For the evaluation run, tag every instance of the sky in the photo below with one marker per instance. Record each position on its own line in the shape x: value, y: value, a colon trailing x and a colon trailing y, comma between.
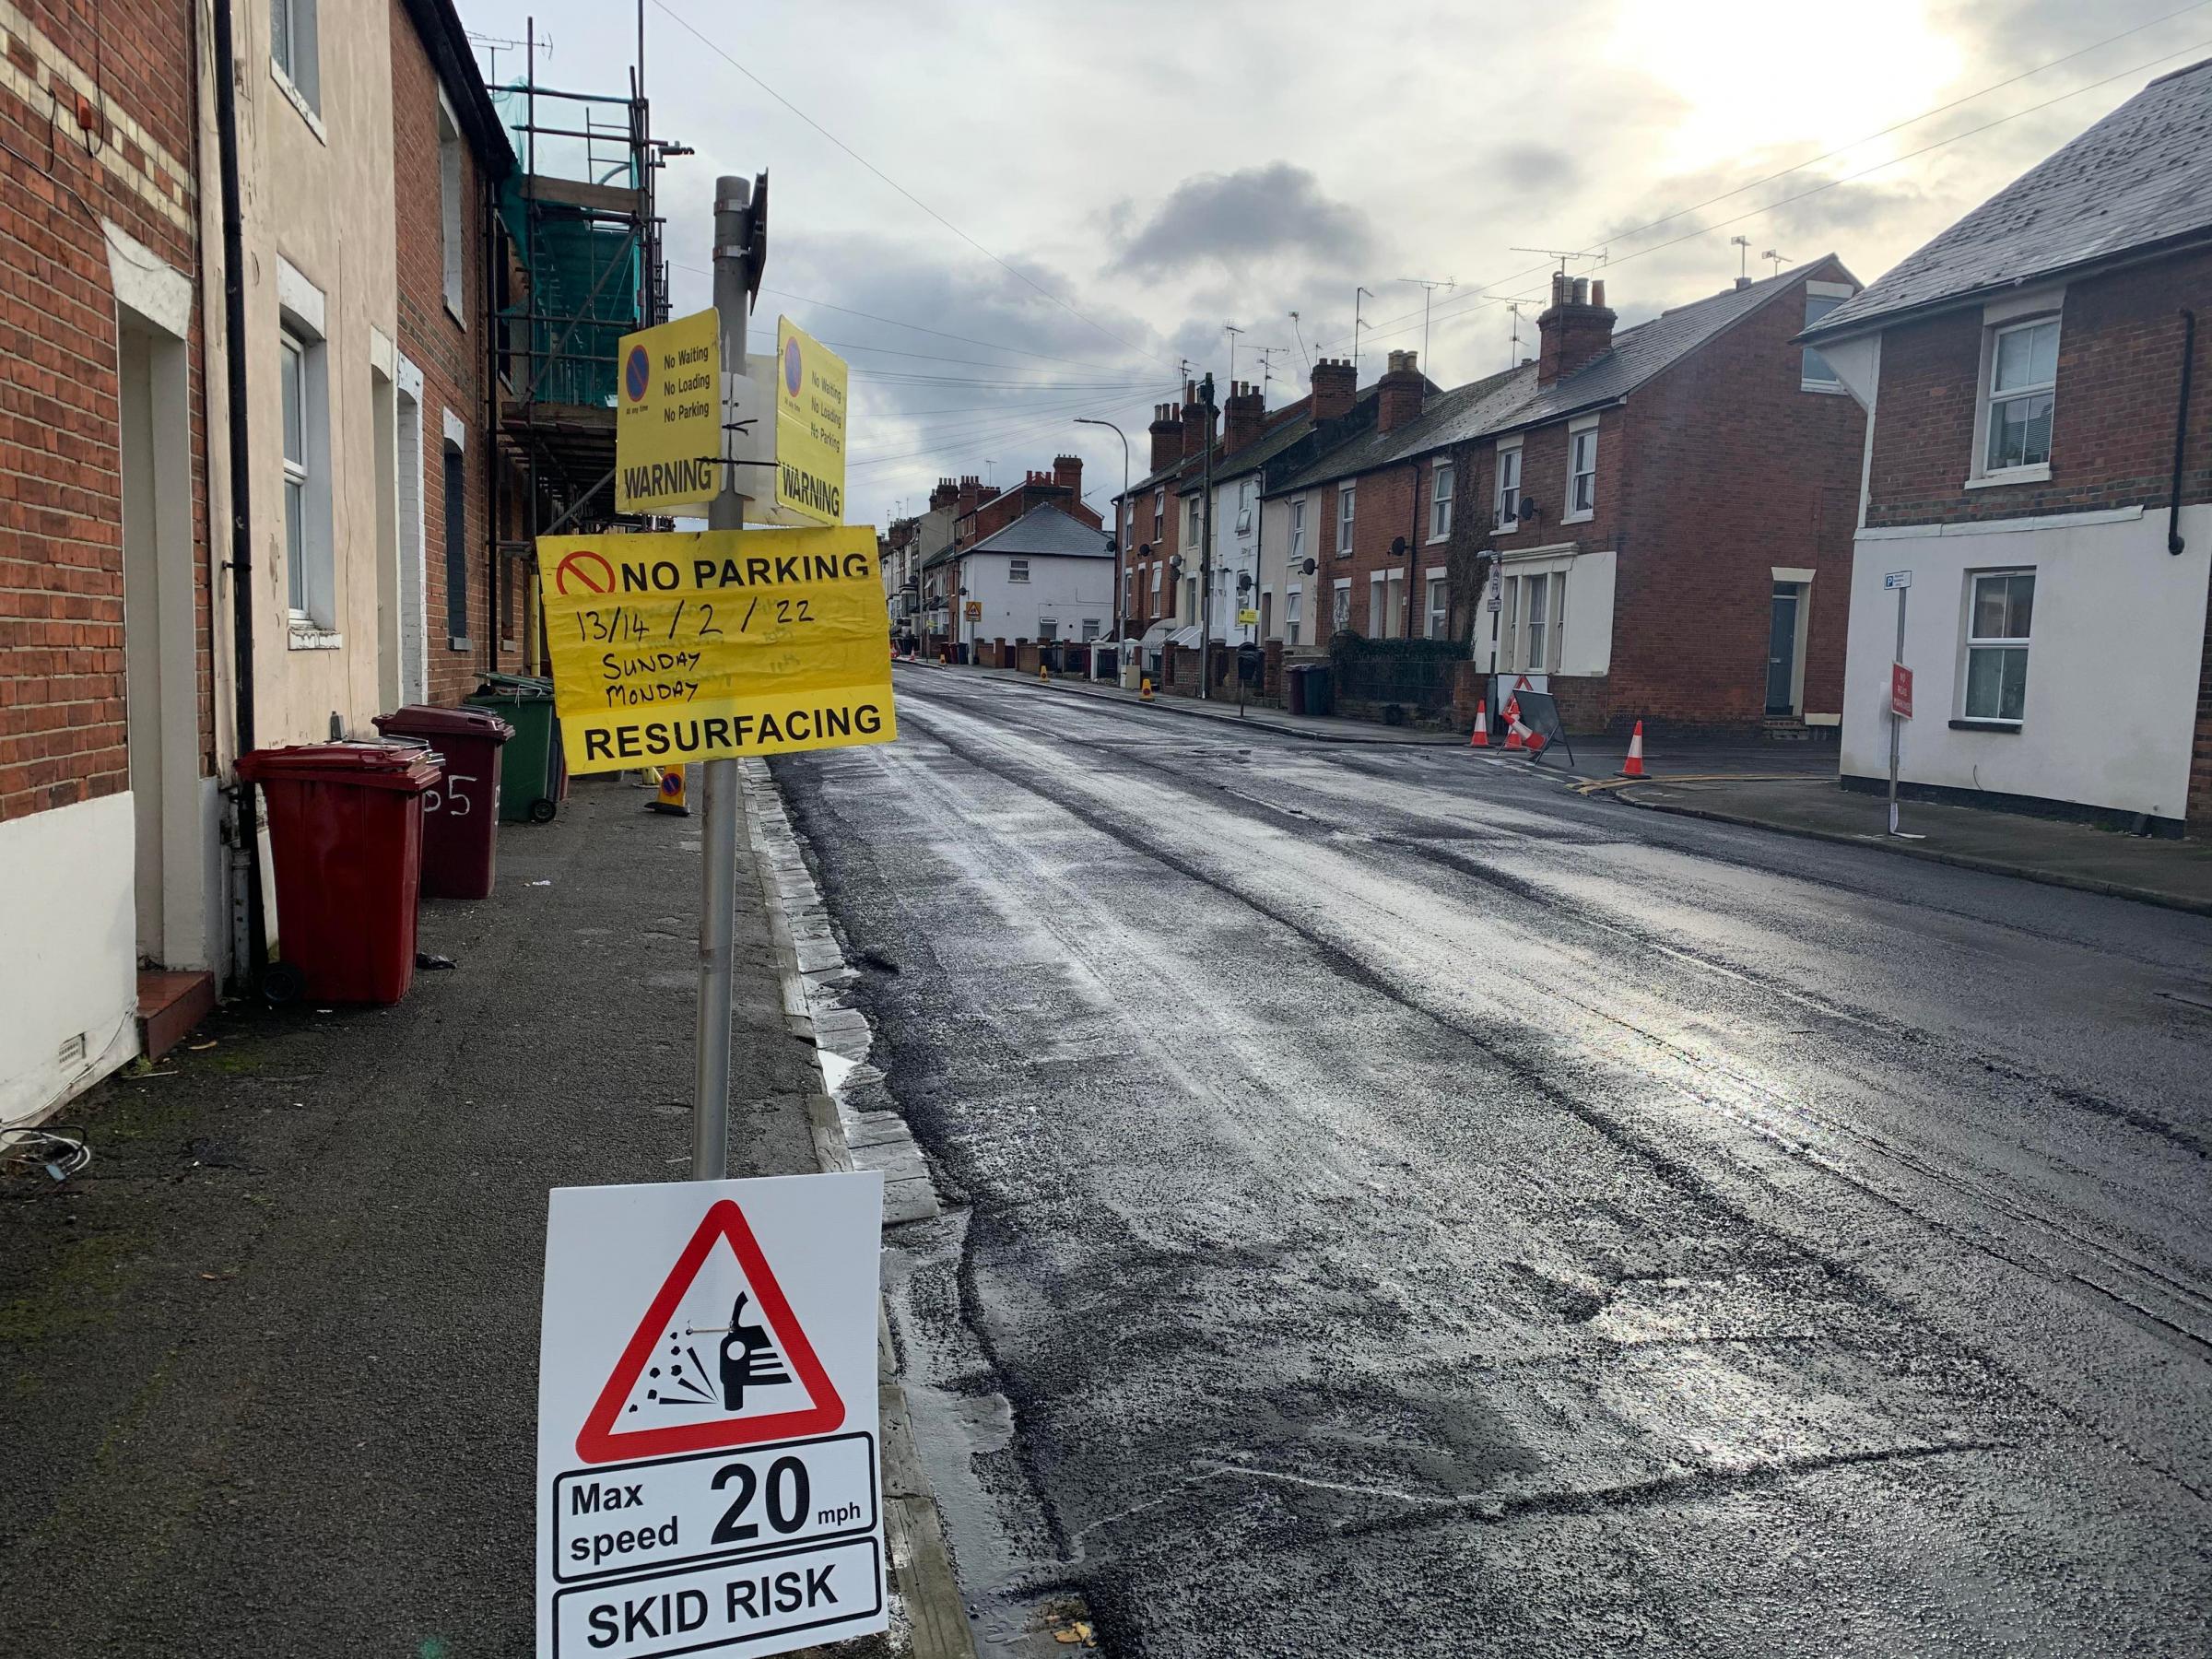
x: 1045, y: 210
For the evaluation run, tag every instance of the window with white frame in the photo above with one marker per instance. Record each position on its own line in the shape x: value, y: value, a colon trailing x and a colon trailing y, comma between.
x: 450, y: 208
x: 1018, y: 569
x: 1243, y: 506
x: 1156, y: 570
x: 1347, y: 503
x: 1048, y: 630
x: 1191, y: 535
x: 1159, y: 515
x: 292, y: 372
x: 292, y: 48
x: 1533, y: 614
x: 2023, y: 382
x: 1582, y: 471
x: 2000, y: 606
x: 1294, y: 608
x: 1509, y: 486
x: 1298, y: 530
x: 1439, y: 606
x: 1440, y: 500
x: 1816, y: 373
x: 1092, y: 628
x: 1340, y: 616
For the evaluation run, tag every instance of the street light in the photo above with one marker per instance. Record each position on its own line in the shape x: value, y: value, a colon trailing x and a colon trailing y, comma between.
x: 1120, y: 526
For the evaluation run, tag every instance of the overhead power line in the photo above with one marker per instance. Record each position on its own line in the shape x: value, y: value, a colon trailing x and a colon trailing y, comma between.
x: 1010, y: 270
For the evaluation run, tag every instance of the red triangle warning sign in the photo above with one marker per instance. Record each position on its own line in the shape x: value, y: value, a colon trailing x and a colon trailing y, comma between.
x: 718, y: 1360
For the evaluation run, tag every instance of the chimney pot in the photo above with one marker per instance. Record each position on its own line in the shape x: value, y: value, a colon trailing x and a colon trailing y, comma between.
x: 1558, y: 288
x: 1598, y: 291
x: 1581, y: 290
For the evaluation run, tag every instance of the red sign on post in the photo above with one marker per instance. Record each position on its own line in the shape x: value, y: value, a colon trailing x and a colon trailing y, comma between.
x: 1900, y: 690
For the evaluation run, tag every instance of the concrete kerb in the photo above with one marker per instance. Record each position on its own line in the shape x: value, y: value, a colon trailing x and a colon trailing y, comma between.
x: 1963, y: 861
x: 814, y: 974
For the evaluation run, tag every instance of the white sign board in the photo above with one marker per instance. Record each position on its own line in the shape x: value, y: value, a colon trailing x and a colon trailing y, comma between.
x: 707, y: 1470
x: 1898, y: 579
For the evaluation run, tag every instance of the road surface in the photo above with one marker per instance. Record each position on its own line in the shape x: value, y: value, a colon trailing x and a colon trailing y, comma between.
x: 1403, y: 1207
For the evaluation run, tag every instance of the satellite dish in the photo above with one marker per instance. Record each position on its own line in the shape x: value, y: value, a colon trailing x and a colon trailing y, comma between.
x: 1309, y: 567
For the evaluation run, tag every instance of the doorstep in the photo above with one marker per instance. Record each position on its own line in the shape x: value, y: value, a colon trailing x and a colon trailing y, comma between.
x: 170, y: 1003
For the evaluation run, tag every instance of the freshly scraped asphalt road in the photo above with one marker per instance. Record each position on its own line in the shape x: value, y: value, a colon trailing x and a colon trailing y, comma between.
x: 1409, y: 1209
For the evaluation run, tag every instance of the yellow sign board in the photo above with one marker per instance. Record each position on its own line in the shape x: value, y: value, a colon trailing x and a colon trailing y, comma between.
x: 668, y: 415
x: 706, y: 645
x: 810, y: 427
x: 1248, y: 618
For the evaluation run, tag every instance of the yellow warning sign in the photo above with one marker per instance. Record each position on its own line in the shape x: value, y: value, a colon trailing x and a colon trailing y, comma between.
x: 709, y: 644
x: 810, y: 427
x: 668, y: 415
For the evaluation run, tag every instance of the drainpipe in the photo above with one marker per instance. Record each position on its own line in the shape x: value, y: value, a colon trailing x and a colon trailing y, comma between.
x: 241, y: 563
x: 487, y: 250
x: 2175, y: 543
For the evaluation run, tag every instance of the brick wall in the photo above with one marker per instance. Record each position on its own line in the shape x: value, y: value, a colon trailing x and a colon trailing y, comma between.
x: 2112, y: 434
x: 1384, y: 506
x: 449, y: 354
x: 131, y: 160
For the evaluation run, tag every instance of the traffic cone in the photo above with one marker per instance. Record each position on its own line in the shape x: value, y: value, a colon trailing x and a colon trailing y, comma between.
x: 670, y: 799
x: 1041, y: 676
x: 1481, y: 739
x: 1144, y: 689
x: 1513, y: 734
x: 1633, y: 766
x: 1537, y: 740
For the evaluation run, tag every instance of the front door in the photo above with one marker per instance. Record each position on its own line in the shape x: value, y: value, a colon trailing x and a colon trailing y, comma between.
x: 1782, y: 650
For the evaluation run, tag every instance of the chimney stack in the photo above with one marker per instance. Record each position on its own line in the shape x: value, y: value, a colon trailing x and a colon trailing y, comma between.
x: 1166, y: 436
x: 1398, y: 392
x: 964, y: 503
x: 1067, y: 472
x: 1242, y: 417
x: 943, y: 495
x: 1576, y: 329
x: 1197, y: 421
x: 1334, y: 392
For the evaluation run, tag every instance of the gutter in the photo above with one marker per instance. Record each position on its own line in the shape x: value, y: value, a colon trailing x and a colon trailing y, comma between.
x: 2174, y: 543
x: 240, y: 564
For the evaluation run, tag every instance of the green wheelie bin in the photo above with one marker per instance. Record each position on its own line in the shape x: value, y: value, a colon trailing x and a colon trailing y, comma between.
x: 531, y: 773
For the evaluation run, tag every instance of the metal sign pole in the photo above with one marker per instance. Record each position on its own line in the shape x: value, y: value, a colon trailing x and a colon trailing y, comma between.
x: 718, y: 877
x: 1897, y: 721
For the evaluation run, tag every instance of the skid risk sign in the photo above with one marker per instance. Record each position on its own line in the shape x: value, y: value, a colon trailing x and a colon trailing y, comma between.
x: 705, y: 645
x: 668, y: 415
x: 707, y: 1470
x: 810, y: 427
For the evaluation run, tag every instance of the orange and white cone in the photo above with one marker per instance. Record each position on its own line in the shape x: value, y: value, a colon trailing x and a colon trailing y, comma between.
x: 1481, y: 739
x: 1633, y: 766
x: 1144, y: 692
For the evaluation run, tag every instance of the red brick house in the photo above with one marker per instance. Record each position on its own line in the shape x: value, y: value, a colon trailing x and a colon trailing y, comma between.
x: 1639, y: 521
x: 2039, y: 475
x: 449, y: 154
x: 108, y: 793
x: 1153, y: 527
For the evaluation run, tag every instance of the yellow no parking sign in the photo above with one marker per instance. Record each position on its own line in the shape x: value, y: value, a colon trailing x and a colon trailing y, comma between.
x: 713, y: 644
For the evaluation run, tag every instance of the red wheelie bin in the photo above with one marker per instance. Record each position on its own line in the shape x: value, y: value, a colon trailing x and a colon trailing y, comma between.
x: 460, y: 816
x: 346, y: 833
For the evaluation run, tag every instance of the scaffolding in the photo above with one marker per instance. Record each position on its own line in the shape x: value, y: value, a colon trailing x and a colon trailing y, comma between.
x: 582, y: 266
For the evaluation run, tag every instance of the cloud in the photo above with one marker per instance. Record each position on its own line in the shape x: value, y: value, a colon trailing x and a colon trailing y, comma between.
x: 1536, y: 167
x: 1255, y: 213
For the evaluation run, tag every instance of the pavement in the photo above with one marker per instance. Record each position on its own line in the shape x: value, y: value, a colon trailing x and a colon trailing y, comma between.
x: 270, y: 1362
x: 2154, y: 870
x: 1398, y: 1203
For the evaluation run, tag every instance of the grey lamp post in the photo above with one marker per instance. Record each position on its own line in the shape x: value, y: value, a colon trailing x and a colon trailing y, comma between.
x: 1122, y: 521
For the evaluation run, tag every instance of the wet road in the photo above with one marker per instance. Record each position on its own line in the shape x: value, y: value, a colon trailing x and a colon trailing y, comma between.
x: 1401, y: 1207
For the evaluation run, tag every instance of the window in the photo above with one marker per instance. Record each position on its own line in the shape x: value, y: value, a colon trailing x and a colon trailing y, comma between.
x: 1018, y: 569
x: 294, y: 374
x: 1160, y: 516
x: 1294, y: 606
x: 1440, y: 501
x: 1298, y: 530
x: 2023, y: 376
x: 1999, y: 609
x: 1190, y: 539
x: 1815, y: 374
x: 1533, y: 617
x: 448, y: 203
x: 1438, y: 608
x: 1048, y: 630
x: 1582, y: 472
x: 1346, y: 495
x: 457, y: 546
x: 292, y: 48
x: 1509, y: 486
x: 1340, y: 618
x: 1092, y: 628
x: 1243, y: 506
x: 1156, y: 569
